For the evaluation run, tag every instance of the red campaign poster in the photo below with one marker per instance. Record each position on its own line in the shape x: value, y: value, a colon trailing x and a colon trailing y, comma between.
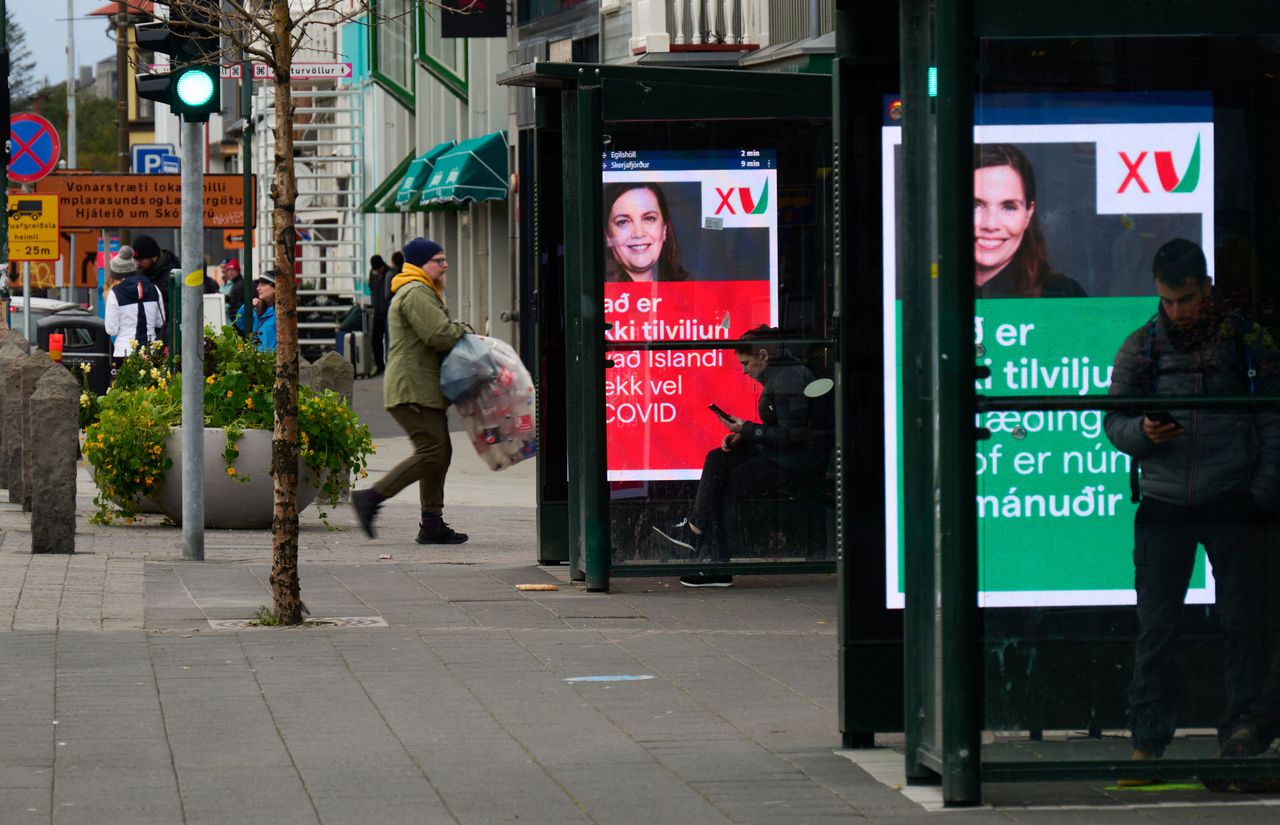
x: 658, y: 424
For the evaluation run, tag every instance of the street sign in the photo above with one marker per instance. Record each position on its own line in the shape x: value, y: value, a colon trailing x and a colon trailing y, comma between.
x: 143, y: 201
x: 299, y: 71
x: 35, y: 147
x: 33, y: 227
x: 171, y: 164
x: 148, y: 158
x: 304, y: 71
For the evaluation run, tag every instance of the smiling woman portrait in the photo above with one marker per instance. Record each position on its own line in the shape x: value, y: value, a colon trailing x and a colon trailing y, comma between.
x: 1010, y: 258
x: 640, y: 240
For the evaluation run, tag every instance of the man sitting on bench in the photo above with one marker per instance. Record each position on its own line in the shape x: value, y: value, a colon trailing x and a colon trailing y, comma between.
x: 755, y: 458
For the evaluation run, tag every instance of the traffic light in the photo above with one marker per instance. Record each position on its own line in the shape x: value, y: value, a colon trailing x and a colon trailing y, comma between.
x: 191, y: 87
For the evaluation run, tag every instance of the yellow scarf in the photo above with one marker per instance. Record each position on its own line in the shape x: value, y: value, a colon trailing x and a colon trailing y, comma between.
x: 410, y: 273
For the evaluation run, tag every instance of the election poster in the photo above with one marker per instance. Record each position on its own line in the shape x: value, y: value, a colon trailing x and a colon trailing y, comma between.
x: 691, y: 255
x: 1082, y: 189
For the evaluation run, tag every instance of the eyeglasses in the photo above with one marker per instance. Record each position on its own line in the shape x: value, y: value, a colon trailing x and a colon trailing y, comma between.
x: 439, y: 259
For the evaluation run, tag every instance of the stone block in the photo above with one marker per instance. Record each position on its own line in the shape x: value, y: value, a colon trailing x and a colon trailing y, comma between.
x: 305, y: 372
x: 11, y: 426
x: 33, y: 369
x: 333, y: 372
x: 55, y: 404
x: 8, y: 352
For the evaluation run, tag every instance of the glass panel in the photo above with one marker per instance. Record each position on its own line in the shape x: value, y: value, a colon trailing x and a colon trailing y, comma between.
x: 718, y: 287
x: 448, y: 53
x: 395, y: 41
x: 1119, y: 249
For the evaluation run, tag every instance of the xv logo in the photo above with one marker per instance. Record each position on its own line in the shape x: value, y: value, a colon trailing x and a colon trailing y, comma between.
x: 1169, y: 179
x: 745, y: 198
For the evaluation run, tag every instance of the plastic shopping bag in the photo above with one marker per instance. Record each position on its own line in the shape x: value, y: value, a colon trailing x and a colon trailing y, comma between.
x: 468, y: 365
x: 498, y: 414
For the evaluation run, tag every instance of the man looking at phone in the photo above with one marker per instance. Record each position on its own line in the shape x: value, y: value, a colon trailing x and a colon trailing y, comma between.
x: 1208, y: 477
x: 755, y: 458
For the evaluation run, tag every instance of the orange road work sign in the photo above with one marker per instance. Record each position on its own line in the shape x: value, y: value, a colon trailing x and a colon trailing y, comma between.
x: 142, y: 201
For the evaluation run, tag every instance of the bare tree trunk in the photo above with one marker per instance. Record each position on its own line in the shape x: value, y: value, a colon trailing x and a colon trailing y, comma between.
x: 284, y: 445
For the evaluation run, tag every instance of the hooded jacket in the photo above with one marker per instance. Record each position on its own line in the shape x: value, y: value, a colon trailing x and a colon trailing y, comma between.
x: 1220, y: 453
x: 421, y: 333
x: 133, y: 312
x: 785, y: 432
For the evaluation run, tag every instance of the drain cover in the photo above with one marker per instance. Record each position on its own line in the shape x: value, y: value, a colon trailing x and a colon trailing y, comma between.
x: 333, y: 621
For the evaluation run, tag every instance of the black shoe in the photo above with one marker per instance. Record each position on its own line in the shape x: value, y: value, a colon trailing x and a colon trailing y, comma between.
x: 701, y: 580
x: 439, y: 533
x: 682, y: 535
x: 366, y: 505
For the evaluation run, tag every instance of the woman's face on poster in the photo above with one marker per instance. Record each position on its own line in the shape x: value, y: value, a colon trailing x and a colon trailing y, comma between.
x: 1001, y: 215
x: 636, y: 232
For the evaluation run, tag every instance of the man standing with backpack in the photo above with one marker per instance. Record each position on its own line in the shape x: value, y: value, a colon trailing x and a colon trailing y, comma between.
x: 1208, y: 477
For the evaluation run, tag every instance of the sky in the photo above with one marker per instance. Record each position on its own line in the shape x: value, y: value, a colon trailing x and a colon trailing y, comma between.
x: 45, y: 22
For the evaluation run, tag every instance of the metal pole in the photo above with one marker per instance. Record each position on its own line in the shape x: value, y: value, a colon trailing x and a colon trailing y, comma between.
x: 69, y: 286
x: 961, y: 655
x: 192, y: 349
x: 122, y: 99
x: 4, y: 102
x: 71, y: 88
x: 246, y: 169
x: 26, y: 289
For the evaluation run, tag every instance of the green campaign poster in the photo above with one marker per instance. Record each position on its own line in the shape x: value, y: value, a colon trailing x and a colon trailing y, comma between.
x: 1055, y: 518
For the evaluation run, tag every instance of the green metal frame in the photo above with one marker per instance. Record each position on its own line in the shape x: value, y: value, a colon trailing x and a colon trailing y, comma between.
x: 946, y: 739
x: 589, y: 96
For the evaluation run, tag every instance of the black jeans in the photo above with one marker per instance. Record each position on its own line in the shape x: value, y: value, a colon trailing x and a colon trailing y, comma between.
x: 728, y: 478
x: 378, y: 344
x: 1165, y: 539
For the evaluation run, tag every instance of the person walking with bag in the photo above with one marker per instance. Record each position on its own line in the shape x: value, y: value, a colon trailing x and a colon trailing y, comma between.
x: 421, y: 334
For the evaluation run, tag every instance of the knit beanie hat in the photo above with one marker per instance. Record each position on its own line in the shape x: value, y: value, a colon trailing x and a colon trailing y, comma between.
x: 420, y: 250
x: 145, y: 246
x: 123, y: 263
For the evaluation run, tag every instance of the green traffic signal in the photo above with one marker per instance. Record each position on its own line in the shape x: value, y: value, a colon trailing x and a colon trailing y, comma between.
x: 195, y: 87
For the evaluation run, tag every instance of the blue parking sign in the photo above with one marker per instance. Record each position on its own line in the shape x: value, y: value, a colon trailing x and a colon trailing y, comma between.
x: 149, y: 158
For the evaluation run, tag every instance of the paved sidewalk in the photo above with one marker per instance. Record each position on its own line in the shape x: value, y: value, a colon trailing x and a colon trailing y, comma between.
x: 476, y: 703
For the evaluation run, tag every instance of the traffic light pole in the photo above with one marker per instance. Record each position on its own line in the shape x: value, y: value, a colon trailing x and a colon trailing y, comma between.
x: 193, y: 342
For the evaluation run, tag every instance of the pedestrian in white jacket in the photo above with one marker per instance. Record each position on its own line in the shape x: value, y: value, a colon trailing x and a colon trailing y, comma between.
x: 135, y: 309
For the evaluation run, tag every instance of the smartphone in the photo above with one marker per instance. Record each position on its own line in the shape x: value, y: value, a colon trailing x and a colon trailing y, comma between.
x: 724, y: 416
x: 1161, y: 417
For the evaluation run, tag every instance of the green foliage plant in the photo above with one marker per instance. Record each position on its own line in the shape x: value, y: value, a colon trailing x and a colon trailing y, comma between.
x: 125, y: 444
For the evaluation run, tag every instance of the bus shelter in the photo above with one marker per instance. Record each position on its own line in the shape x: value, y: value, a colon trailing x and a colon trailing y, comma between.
x: 1089, y: 141
x: 631, y: 360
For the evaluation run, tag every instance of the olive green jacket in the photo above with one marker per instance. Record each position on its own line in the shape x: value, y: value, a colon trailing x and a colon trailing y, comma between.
x: 421, y: 333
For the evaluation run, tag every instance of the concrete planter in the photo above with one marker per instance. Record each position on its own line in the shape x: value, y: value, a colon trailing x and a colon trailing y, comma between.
x: 228, y: 503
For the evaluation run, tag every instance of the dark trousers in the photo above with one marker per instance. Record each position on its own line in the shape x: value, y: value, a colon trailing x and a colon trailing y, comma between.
x: 728, y: 478
x: 378, y: 342
x: 428, y: 429
x: 1165, y: 539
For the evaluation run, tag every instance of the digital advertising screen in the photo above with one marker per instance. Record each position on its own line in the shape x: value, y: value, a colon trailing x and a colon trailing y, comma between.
x: 1090, y: 187
x: 691, y: 254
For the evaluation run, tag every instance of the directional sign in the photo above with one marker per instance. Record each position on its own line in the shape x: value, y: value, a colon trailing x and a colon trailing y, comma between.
x: 303, y: 71
x: 35, y: 147
x: 261, y: 71
x: 148, y: 158
x: 33, y: 227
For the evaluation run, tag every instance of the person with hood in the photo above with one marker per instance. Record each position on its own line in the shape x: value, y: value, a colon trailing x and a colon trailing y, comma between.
x: 156, y: 264
x: 755, y: 458
x: 1208, y: 478
x: 135, y: 308
x: 421, y: 334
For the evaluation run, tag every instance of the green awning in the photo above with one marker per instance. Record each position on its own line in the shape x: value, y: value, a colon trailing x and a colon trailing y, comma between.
x: 474, y: 170
x: 383, y: 196
x: 421, y: 169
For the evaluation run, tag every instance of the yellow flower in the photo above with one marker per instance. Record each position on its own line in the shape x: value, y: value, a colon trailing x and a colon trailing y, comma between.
x: 231, y: 471
x: 228, y: 393
x: 209, y: 380
x: 248, y: 402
